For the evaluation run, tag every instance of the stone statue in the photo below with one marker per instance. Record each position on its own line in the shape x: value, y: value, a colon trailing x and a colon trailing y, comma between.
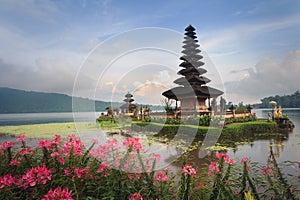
x: 147, y: 111
x: 143, y: 113
x: 269, y: 116
x: 222, y: 105
x: 214, y: 105
x: 279, y: 112
x: 275, y: 113
x: 136, y: 113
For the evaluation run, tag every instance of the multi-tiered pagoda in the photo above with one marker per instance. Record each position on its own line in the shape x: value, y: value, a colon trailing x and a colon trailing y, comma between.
x: 128, y: 107
x: 192, y: 91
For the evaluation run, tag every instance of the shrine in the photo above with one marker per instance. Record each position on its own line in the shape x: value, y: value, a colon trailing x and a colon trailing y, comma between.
x: 128, y: 107
x: 192, y: 91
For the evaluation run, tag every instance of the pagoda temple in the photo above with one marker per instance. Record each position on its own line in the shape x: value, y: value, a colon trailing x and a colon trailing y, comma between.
x: 192, y: 91
x: 128, y: 107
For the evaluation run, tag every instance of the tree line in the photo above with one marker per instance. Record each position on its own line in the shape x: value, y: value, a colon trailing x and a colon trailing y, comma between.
x: 286, y: 101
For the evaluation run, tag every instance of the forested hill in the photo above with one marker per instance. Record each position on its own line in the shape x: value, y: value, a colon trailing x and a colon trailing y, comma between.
x: 20, y: 101
x: 286, y: 101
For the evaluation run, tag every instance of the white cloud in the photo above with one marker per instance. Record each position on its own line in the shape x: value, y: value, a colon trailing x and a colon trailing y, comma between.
x: 269, y: 77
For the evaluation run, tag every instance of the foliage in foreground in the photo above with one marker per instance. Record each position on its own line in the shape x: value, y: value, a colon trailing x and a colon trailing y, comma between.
x: 59, y: 169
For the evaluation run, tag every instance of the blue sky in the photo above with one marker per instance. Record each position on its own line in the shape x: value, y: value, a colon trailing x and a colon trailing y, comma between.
x: 254, y: 45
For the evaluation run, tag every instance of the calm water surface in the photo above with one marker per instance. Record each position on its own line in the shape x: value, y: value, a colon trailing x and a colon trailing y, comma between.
x: 42, y: 118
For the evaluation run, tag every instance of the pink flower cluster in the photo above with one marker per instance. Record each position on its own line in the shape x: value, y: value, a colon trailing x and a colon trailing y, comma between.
x: 103, y: 152
x: 15, y: 162
x: 267, y: 171
x: 49, y: 144
x: 103, y: 167
x: 136, y: 196
x: 244, y: 160
x: 58, y: 194
x: 7, y: 180
x: 21, y: 138
x: 188, y: 170
x: 6, y: 145
x: 162, y: 177
x: 36, y: 175
x: 27, y: 151
x: 213, y: 168
x: 226, y: 158
x: 73, y: 145
x: 133, y: 144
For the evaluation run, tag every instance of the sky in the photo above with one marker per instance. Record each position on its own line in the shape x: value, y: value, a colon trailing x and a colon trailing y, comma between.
x: 103, y: 49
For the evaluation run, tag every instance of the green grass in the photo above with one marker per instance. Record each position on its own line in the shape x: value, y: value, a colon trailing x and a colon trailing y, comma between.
x: 251, y: 127
x: 46, y: 130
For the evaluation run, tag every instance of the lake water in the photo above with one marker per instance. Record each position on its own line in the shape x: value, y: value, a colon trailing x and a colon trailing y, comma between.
x: 41, y: 118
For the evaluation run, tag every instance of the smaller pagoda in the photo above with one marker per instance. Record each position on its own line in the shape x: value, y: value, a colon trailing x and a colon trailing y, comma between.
x: 128, y: 107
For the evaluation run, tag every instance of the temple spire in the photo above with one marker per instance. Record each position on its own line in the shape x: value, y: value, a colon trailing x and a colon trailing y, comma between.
x: 192, y: 90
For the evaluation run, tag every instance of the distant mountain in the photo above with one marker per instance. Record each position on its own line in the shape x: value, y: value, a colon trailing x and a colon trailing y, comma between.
x: 20, y: 101
x: 286, y: 101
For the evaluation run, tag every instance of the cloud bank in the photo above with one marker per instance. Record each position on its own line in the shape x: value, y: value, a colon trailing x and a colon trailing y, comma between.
x: 268, y: 77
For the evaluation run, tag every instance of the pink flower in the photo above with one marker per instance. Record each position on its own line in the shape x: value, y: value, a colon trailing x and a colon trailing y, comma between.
x: 267, y: 170
x: 6, y: 145
x: 162, y: 176
x: 21, y: 138
x: 244, y: 160
x: 15, y: 162
x: 226, y: 158
x: 56, y: 140
x: 54, y: 154
x: 27, y: 151
x: 138, y: 175
x: 79, y: 172
x: 188, y: 170
x: 6, y: 181
x: 229, y: 161
x: 133, y: 144
x: 101, y: 152
x: 156, y: 157
x: 58, y: 194
x: 61, y: 160
x: 299, y: 166
x: 213, y: 167
x: 167, y: 169
x: 36, y: 175
x: 82, y: 172
x: 135, y: 196
x: 73, y: 145
x: 67, y: 172
x: 113, y: 144
x: 222, y: 155
x: 44, y: 144
x: 103, y: 167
